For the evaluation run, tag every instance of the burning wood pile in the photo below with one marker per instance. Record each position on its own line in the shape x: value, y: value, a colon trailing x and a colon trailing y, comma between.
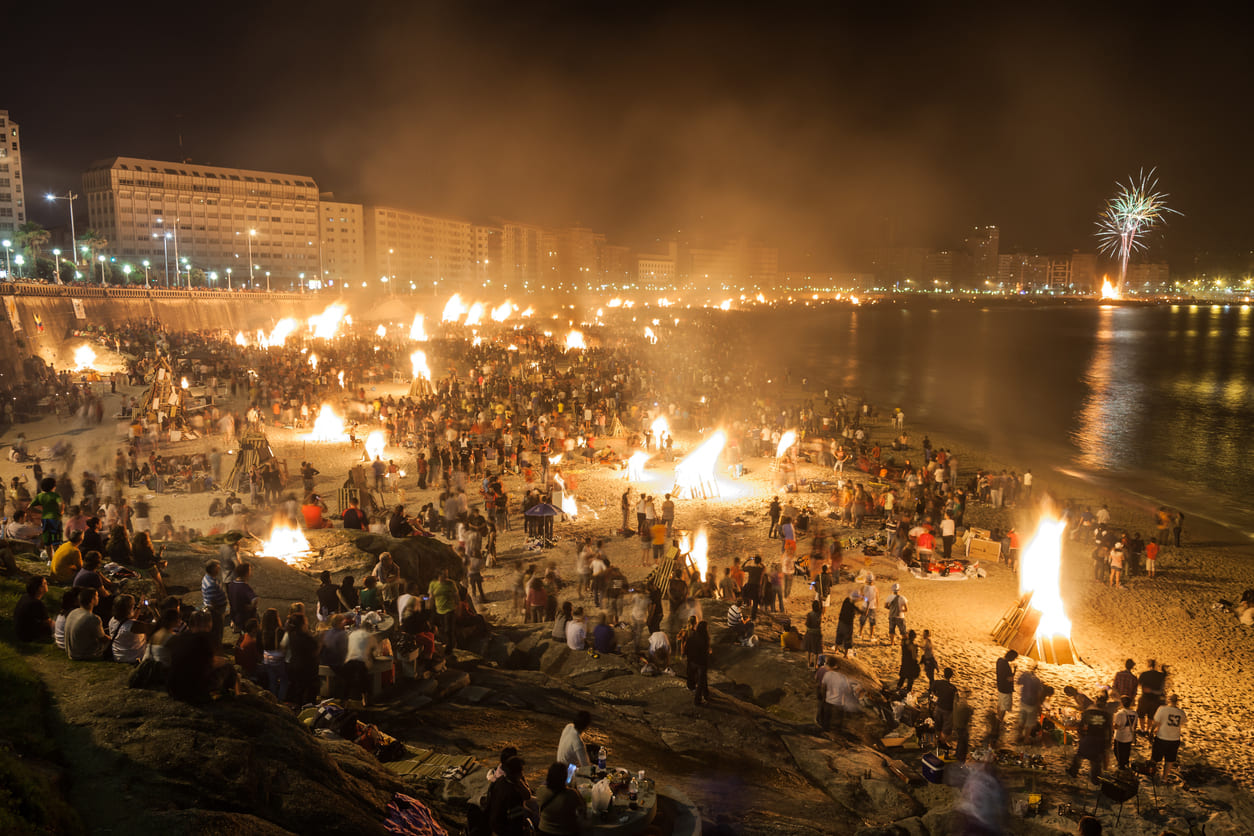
x: 1037, y: 624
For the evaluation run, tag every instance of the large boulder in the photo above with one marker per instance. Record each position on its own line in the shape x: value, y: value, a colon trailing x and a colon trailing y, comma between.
x: 420, y: 558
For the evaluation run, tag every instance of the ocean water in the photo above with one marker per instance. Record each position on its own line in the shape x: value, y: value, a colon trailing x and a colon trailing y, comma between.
x: 1155, y: 400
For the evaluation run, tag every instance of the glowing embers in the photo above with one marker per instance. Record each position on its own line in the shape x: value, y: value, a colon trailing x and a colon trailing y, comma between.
x: 285, y: 543
x: 694, y: 476
x: 1109, y: 291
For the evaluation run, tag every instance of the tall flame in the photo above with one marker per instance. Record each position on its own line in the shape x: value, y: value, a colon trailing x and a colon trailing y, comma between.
x: 1040, y: 568
x: 417, y: 332
x: 725, y: 305
x: 786, y: 440
x: 474, y: 316
x: 635, y: 466
x: 529, y: 312
x: 694, y: 476
x: 381, y: 331
x: 453, y: 309
x: 502, y: 311
x: 575, y: 340
x: 1109, y: 291
x: 328, y: 426
x: 240, y: 339
x: 84, y: 358
x: 418, y: 360
x: 375, y: 442
x: 313, y: 361
x: 283, y: 329
x: 649, y: 335
x: 698, y: 552
x: 660, y: 427
x: 327, y: 324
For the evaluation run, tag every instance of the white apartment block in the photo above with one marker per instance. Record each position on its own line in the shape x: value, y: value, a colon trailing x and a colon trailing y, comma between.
x: 214, y: 217
x: 343, y: 230
x: 12, y: 195
x: 424, y: 253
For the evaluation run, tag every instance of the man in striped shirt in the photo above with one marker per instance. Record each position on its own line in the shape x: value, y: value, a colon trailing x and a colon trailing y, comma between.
x: 214, y: 598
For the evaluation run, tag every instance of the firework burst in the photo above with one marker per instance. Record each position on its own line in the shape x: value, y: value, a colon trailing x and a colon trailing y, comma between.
x: 1137, y: 206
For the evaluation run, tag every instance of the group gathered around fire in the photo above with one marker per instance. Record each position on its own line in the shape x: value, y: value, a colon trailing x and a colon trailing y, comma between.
x: 505, y: 419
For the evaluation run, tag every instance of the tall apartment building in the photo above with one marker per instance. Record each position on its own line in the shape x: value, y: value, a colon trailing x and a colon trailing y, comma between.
x: 428, y: 252
x: 12, y: 195
x: 1023, y: 271
x: 572, y: 258
x: 617, y: 268
x: 342, y: 229
x: 981, y: 249
x: 209, y: 214
x: 522, y: 256
x: 488, y: 261
x: 658, y: 271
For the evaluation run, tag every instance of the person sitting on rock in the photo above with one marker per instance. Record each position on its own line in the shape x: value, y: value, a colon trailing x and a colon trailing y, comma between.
x: 313, y: 510
x: 604, y: 640
x: 576, y: 631
x: 739, y: 625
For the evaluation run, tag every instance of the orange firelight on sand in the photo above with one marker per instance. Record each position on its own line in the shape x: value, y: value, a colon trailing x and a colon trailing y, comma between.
x: 1109, y: 291
x: 285, y: 543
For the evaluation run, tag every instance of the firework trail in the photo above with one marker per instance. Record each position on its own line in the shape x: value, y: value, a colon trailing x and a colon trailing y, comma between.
x: 1136, y: 207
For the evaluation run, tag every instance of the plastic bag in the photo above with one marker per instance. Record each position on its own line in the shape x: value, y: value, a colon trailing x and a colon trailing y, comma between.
x: 602, y: 795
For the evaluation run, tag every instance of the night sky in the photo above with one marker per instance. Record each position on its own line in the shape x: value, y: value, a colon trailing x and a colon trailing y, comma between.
x: 809, y: 126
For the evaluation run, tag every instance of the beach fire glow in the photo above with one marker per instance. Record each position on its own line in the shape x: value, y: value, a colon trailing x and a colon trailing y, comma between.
x: 787, y: 440
x: 660, y: 428
x: 283, y: 329
x: 649, y: 335
x: 1109, y: 291
x: 84, y: 358
x: 327, y: 324
x: 285, y: 543
x: 575, y: 340
x: 569, y: 506
x: 313, y: 362
x: 328, y: 426
x: 502, y: 312
x: 240, y: 339
x: 635, y: 466
x: 375, y: 442
x: 381, y: 331
x: 1040, y: 568
x: 698, y: 552
x: 417, y: 332
x: 474, y: 316
x: 694, y: 476
x: 418, y: 360
x: 454, y: 309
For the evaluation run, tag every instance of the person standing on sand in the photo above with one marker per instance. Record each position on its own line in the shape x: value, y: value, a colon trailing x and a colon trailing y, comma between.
x: 1168, y: 725
x: 1151, y: 558
x: 1005, y: 684
x: 774, y: 511
x: 871, y: 597
x: 1177, y: 526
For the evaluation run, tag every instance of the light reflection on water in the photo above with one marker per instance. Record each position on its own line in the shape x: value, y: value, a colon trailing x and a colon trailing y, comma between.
x: 1155, y: 396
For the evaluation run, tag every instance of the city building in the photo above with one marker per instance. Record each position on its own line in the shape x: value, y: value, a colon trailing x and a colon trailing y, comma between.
x: 572, y: 258
x: 617, y: 267
x: 261, y: 224
x: 938, y: 271
x: 522, y: 256
x: 12, y: 194
x: 981, y: 246
x: 419, y: 252
x: 895, y: 268
x: 1023, y: 272
x: 343, y: 235
x: 657, y: 271
x: 1149, y: 277
x: 488, y: 244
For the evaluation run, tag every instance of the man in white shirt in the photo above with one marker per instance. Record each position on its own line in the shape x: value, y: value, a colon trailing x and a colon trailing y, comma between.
x: 576, y: 631
x: 839, y: 696
x: 1168, y: 724
x: 949, y: 529
x: 660, y: 651
x: 571, y: 748
x: 1125, y: 732
x: 363, y: 645
x: 871, y: 596
x: 895, y: 606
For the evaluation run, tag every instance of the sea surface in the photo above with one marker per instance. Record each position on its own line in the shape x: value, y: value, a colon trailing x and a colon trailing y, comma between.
x: 1155, y: 400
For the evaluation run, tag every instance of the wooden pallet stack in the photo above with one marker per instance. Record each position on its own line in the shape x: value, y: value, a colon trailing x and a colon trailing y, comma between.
x: 1018, y: 631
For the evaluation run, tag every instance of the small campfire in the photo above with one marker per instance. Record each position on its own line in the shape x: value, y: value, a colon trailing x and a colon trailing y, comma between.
x: 287, y: 544
x: 84, y: 359
x: 1037, y: 625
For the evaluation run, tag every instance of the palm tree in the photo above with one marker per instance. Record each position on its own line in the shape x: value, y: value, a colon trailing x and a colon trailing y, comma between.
x: 31, y: 236
x: 92, y: 240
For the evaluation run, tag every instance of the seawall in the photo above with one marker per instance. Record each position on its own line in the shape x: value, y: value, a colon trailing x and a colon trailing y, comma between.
x: 40, y: 320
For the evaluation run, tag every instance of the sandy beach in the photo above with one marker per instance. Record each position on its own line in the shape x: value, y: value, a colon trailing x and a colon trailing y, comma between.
x: 1171, y: 618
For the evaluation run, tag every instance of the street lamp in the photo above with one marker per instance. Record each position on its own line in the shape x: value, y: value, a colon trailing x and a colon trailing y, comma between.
x: 228, y: 279
x: 146, y: 264
x: 213, y: 276
x: 189, y: 272
x: 57, y: 263
x: 20, y: 261
x: 101, y: 259
x: 252, y: 233
x: 8, y: 251
x: 126, y: 271
x: 267, y: 281
x: 69, y: 197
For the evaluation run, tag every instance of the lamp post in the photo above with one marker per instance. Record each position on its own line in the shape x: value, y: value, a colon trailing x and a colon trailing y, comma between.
x: 56, y: 262
x: 69, y: 197
x: 126, y: 271
x: 213, y: 276
x: 146, y: 264
x: 165, y: 253
x: 20, y: 261
x: 252, y: 233
x: 228, y: 279
x: 189, y: 271
x: 8, y: 252
x: 267, y: 281
x: 101, y: 259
